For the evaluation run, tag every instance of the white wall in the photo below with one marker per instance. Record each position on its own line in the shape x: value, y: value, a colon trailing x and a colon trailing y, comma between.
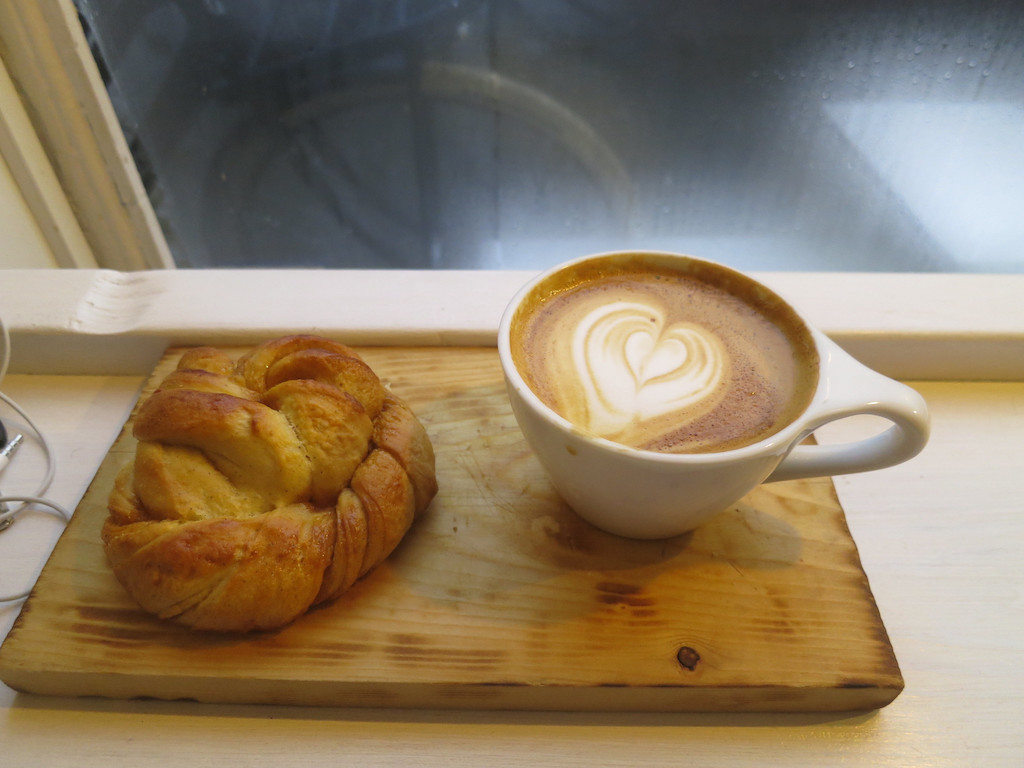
x: 21, y: 240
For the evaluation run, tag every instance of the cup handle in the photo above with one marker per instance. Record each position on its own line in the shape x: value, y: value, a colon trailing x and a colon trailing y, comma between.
x: 854, y: 389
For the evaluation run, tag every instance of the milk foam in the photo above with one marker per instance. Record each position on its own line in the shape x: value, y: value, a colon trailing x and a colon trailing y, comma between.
x: 634, y: 367
x: 662, y: 359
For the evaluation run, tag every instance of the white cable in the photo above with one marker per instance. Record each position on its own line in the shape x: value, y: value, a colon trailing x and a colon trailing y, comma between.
x: 64, y: 514
x: 51, y: 464
x: 7, y: 516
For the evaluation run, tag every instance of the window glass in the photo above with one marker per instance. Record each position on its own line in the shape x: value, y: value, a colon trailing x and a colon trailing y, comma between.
x: 482, y: 134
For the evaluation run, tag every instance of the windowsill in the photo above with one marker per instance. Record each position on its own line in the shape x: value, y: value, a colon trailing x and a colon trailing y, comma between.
x: 910, y: 326
x: 937, y: 536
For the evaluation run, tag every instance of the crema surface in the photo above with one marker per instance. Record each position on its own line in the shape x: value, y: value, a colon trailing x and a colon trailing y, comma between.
x: 664, y: 361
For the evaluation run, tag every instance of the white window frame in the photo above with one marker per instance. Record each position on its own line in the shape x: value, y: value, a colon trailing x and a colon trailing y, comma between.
x: 57, y: 86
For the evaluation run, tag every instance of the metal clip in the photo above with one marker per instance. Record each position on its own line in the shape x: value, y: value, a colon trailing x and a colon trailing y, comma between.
x: 5, y: 456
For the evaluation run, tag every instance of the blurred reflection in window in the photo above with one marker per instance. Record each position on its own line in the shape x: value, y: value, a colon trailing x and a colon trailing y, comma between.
x: 516, y: 133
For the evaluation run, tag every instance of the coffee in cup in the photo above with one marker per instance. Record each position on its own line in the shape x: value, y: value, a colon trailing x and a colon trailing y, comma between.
x: 663, y: 357
x: 657, y: 389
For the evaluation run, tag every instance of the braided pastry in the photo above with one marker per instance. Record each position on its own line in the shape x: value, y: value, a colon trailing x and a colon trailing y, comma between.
x: 264, y: 486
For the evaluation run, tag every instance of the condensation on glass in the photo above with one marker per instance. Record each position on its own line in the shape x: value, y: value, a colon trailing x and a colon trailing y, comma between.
x: 462, y: 134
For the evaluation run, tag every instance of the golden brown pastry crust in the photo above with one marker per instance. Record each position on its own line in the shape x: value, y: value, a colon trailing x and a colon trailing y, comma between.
x: 264, y: 486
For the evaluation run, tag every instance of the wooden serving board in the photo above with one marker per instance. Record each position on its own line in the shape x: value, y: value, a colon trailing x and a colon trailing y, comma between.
x: 499, y: 597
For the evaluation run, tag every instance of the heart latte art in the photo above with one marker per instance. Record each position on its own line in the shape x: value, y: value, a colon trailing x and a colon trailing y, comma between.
x: 662, y: 360
x: 632, y: 367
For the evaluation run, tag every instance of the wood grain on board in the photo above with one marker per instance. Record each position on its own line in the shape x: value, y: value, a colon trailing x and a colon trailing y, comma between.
x: 499, y: 597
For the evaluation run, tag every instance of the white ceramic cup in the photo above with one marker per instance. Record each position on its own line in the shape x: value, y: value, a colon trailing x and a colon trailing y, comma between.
x: 649, y: 495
